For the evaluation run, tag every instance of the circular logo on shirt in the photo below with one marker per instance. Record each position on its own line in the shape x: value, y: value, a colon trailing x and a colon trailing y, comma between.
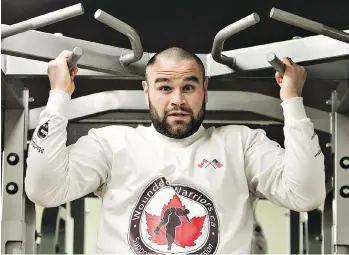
x: 173, y: 219
x: 43, y: 130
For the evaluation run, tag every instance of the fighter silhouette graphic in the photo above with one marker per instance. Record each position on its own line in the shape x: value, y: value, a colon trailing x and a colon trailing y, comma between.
x: 176, y: 220
x: 172, y: 221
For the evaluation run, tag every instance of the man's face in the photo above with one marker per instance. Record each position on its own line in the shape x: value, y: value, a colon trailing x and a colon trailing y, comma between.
x: 176, y: 95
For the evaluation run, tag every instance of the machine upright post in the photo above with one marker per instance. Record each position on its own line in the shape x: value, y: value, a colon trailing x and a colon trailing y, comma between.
x: 341, y: 185
x: 18, y: 213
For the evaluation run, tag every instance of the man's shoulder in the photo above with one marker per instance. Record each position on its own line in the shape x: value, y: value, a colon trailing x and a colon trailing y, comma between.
x: 233, y: 133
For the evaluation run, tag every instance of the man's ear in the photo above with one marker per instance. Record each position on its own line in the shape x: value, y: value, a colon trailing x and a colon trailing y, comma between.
x: 205, y: 89
x: 146, y: 91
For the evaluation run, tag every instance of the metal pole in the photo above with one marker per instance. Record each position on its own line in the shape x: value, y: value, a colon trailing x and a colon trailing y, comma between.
x: 275, y: 62
x: 309, y: 25
x: 43, y: 20
x: 74, y: 57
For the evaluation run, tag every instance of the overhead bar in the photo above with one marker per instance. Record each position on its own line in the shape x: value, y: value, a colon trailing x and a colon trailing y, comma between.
x: 311, y: 51
x: 96, y: 57
x: 125, y: 29
x: 225, y: 33
x: 325, y: 58
x: 309, y: 25
x: 43, y: 20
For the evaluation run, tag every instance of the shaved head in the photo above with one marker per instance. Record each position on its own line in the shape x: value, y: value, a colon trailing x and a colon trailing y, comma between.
x: 176, y: 54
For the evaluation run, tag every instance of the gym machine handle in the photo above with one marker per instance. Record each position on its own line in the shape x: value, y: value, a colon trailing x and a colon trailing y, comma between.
x: 43, y: 20
x: 74, y: 58
x: 275, y: 62
x: 125, y: 29
x: 309, y: 25
x: 225, y: 33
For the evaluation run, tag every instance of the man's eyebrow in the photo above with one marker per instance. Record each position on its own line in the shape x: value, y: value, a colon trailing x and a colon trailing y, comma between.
x: 158, y: 80
x: 192, y: 78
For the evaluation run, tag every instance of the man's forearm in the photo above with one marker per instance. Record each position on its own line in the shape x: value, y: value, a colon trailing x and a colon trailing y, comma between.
x: 48, y: 158
x: 304, y: 161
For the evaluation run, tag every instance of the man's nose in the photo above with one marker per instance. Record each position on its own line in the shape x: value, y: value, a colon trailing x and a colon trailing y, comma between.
x: 177, y: 98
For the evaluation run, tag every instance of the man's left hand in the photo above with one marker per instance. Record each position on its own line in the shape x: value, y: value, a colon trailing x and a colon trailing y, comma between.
x: 292, y: 82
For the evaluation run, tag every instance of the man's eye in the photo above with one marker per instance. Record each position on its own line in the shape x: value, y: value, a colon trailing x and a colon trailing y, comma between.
x: 188, y: 87
x: 164, y: 88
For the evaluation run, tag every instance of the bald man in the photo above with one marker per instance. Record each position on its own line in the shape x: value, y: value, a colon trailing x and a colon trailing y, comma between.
x: 215, y: 174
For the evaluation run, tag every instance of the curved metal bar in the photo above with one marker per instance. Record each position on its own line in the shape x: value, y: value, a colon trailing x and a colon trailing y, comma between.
x: 225, y: 33
x: 125, y: 29
x: 43, y: 20
x: 309, y: 25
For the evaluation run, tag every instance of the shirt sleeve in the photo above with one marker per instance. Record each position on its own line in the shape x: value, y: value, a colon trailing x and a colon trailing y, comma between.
x: 294, y: 176
x: 56, y: 173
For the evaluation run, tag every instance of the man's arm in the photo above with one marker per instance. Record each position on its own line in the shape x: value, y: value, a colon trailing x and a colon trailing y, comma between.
x: 56, y: 173
x: 293, y: 177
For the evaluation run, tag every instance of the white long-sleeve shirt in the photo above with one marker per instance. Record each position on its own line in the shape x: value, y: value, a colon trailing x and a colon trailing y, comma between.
x: 188, y: 196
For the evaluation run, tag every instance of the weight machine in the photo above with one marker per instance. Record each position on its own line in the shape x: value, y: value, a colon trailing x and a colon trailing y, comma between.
x: 322, y: 54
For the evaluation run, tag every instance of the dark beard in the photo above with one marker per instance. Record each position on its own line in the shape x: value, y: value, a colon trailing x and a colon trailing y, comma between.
x: 163, y: 127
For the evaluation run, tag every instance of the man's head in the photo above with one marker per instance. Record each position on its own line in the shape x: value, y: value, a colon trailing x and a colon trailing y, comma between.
x: 175, y: 90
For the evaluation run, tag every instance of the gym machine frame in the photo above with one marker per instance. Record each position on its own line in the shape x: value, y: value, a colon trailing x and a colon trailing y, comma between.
x: 322, y: 53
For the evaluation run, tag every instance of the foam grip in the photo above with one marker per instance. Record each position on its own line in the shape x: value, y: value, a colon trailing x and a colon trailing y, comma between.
x: 275, y: 62
x: 74, y: 58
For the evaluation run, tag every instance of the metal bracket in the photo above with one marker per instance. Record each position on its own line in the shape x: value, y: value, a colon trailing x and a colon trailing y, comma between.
x: 126, y: 30
x: 225, y: 33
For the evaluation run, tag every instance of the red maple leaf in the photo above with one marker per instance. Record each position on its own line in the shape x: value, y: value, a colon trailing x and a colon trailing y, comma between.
x: 186, y: 233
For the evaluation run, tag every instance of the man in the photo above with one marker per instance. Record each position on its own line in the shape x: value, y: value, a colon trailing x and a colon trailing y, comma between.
x: 216, y: 174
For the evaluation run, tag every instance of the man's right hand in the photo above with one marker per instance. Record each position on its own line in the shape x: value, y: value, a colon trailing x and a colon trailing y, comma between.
x: 59, y: 75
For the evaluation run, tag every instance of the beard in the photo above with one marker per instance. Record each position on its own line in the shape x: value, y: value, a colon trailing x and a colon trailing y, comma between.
x: 178, y: 129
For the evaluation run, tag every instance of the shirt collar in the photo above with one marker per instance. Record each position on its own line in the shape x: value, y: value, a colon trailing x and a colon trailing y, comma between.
x: 184, y: 142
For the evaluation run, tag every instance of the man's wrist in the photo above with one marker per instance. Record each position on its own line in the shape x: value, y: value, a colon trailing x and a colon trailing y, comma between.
x: 293, y: 109
x: 57, y: 102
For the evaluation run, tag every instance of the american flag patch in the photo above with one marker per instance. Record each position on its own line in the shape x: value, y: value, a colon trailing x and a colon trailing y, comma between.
x: 217, y: 163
